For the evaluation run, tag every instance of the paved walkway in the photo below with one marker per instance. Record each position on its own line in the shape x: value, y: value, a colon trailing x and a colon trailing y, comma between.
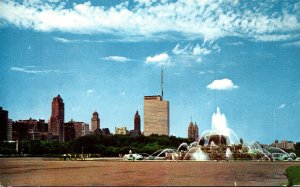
x: 45, y: 171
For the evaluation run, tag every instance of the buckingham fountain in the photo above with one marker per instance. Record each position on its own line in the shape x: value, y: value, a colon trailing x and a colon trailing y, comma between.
x: 222, y: 143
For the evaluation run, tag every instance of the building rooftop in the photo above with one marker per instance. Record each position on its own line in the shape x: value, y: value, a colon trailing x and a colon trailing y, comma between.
x: 153, y: 97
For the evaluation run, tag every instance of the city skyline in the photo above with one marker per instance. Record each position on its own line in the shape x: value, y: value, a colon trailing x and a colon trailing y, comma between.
x: 105, y: 56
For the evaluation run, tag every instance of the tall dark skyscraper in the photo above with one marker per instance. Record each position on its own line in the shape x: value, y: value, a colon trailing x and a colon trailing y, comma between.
x: 95, y: 121
x: 3, y: 125
x: 193, y: 132
x: 57, y: 118
x: 137, y: 122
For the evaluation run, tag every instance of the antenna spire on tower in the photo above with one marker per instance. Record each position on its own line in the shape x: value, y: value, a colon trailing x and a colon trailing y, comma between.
x: 162, y: 82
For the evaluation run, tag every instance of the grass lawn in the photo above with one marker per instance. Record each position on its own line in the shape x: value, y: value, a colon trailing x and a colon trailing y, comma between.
x: 293, y: 174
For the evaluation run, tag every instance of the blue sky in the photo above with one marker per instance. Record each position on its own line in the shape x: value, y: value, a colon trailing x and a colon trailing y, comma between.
x: 105, y: 56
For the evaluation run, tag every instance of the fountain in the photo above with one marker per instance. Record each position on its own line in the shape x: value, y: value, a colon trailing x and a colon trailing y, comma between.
x: 199, y: 155
x: 221, y: 143
x: 228, y: 153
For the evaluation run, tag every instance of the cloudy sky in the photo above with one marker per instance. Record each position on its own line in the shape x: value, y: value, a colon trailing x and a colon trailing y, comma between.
x: 105, y: 56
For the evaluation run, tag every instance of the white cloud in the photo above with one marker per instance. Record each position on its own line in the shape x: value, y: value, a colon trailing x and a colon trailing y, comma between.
x: 296, y: 103
x: 199, y: 50
x: 190, y: 53
x: 64, y: 40
x: 235, y: 43
x: 273, y: 37
x: 178, y: 50
x: 33, y: 70
x: 263, y: 20
x: 206, y: 72
x: 117, y: 58
x: 90, y: 92
x: 296, y: 43
x: 160, y: 59
x: 281, y: 106
x: 145, y: 2
x: 223, y: 84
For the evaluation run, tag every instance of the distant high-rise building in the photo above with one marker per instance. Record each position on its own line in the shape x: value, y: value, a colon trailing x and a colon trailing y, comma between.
x: 4, y: 123
x: 286, y: 145
x: 79, y: 127
x: 95, y: 121
x: 43, y: 129
x: 121, y: 130
x: 57, y: 118
x: 156, y: 115
x: 193, y: 132
x: 86, y: 129
x: 34, y: 134
x: 105, y: 131
x: 9, y: 130
x: 137, y: 123
x: 69, y: 131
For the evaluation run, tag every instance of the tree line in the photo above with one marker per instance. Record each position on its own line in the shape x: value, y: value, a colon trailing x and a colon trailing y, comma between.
x: 95, y: 144
x: 98, y: 144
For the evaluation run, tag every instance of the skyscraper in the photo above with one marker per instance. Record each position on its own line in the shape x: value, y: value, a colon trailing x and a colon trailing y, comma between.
x: 57, y: 118
x: 137, y: 123
x: 3, y: 125
x: 193, y: 132
x: 95, y: 121
x: 156, y: 115
x: 86, y: 129
x: 69, y: 131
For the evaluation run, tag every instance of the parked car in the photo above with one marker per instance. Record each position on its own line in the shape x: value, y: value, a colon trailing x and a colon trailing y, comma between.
x: 135, y: 156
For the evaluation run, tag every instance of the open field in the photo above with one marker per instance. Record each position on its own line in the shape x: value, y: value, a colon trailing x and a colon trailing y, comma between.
x: 45, y: 171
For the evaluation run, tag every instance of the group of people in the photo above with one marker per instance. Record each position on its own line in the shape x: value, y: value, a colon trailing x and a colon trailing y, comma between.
x: 69, y: 156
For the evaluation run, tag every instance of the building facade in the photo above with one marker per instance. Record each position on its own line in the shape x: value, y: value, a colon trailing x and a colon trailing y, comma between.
x: 156, y: 116
x: 286, y: 145
x: 30, y: 129
x: 95, y: 121
x: 9, y: 130
x: 105, y: 132
x: 79, y: 129
x: 193, y: 132
x: 121, y: 130
x: 4, y: 123
x: 86, y: 129
x: 57, y: 118
x: 69, y: 131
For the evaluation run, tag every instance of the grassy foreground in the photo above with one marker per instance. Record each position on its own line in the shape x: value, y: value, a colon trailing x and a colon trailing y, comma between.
x: 293, y: 174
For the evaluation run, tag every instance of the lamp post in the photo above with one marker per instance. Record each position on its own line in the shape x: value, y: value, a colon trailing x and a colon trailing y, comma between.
x: 274, y: 123
x: 82, y: 153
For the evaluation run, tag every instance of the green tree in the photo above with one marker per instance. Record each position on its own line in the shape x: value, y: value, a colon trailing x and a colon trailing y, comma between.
x: 24, y: 147
x: 297, y: 149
